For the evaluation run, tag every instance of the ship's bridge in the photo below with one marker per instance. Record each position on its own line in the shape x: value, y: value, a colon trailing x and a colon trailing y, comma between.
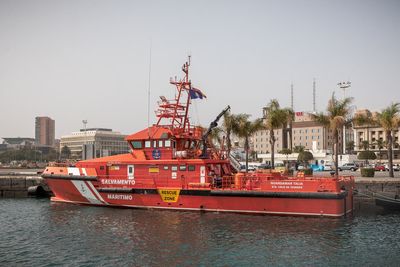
x: 159, y: 142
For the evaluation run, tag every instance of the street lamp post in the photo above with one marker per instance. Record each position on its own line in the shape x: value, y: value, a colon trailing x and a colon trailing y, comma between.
x: 84, y: 145
x: 344, y: 86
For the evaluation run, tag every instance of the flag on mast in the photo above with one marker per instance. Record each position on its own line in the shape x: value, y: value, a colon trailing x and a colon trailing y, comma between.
x: 196, y: 93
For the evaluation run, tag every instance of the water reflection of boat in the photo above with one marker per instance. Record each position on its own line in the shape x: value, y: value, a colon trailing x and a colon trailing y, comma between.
x: 387, y: 201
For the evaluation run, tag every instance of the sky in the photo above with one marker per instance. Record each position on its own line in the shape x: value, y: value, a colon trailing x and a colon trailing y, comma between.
x: 90, y: 59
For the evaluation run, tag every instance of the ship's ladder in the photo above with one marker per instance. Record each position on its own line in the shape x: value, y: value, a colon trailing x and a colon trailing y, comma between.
x: 234, y: 162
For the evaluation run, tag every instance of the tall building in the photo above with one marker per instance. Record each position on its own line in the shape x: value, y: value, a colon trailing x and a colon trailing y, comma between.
x: 44, y: 131
x: 99, y: 142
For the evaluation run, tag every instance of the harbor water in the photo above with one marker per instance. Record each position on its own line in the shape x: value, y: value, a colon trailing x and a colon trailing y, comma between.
x: 36, y: 232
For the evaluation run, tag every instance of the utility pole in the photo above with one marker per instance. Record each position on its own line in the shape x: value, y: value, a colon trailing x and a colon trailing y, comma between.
x: 291, y: 96
x: 84, y: 144
x: 314, y: 109
x: 344, y: 86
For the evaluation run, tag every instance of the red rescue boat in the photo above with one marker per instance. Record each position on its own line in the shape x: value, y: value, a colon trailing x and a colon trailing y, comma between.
x: 173, y: 166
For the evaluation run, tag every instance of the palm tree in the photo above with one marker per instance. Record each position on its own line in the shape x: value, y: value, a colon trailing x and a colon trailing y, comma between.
x: 364, y: 145
x: 287, y: 152
x: 364, y: 119
x: 244, y: 128
x: 215, y: 136
x: 290, y: 120
x: 228, y: 125
x: 380, y: 144
x: 276, y: 118
x: 338, y: 112
x: 389, y: 120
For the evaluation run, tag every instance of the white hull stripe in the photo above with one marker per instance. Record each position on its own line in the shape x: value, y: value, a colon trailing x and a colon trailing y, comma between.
x: 92, y: 187
x: 83, y: 188
x: 95, y: 191
x: 85, y: 192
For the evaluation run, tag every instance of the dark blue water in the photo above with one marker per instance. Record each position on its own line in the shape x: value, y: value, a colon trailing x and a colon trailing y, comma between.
x: 35, y: 232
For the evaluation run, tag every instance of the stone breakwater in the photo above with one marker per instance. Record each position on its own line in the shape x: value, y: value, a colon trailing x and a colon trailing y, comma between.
x: 16, y: 185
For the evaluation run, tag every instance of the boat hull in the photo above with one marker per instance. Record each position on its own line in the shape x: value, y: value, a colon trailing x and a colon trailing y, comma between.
x: 219, y: 200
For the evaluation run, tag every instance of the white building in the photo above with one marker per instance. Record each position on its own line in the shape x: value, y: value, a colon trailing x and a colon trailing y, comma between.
x: 99, y: 142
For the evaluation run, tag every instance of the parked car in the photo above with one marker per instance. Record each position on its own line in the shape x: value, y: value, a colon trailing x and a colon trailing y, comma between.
x: 250, y: 168
x: 396, y: 167
x: 348, y: 167
x: 329, y: 167
x: 380, y: 168
x: 264, y: 166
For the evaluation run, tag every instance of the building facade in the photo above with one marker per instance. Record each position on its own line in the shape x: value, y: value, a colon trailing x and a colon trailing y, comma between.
x: 374, y: 134
x: 44, y: 131
x: 305, y: 132
x: 94, y: 143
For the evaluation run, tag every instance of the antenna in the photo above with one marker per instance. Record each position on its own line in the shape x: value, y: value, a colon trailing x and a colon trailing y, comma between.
x: 148, y: 93
x: 314, y: 110
x: 291, y: 96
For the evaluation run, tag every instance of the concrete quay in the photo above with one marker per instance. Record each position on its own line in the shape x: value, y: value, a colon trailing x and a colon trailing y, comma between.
x: 16, y: 185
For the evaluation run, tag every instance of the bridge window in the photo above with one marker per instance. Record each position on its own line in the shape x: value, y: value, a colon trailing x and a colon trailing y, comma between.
x: 174, y: 168
x: 191, y: 168
x: 182, y: 167
x: 136, y: 144
x: 167, y: 143
x: 160, y: 143
x: 147, y: 144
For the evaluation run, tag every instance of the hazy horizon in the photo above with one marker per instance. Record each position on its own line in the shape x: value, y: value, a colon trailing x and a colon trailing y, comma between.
x: 75, y: 60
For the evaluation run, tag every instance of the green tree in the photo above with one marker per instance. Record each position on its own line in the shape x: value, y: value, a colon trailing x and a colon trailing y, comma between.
x: 365, y: 145
x: 65, y: 152
x: 338, y: 115
x: 389, y: 120
x: 366, y: 155
x: 350, y: 147
x: 298, y: 149
x: 276, y: 118
x: 228, y: 125
x: 244, y: 128
x: 305, y: 157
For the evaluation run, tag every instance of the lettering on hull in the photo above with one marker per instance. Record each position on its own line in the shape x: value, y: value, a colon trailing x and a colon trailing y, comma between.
x: 117, y: 181
x: 119, y: 197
